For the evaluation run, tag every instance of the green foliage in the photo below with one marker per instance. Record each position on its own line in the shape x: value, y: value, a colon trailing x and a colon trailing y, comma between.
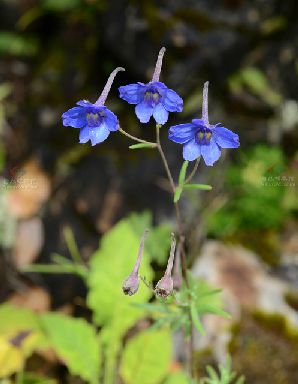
x: 158, y: 241
x: 146, y: 357
x: 58, y: 5
x: 252, y: 200
x: 225, y: 376
x: 197, y: 299
x: 15, y: 44
x: 204, y: 187
x: 76, y: 342
x: 110, y: 265
x: 142, y: 145
x: 256, y: 82
x: 183, y: 184
x: 14, y: 320
x: 177, y: 378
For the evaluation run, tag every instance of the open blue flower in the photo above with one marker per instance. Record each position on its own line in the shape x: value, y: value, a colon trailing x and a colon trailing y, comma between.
x: 199, y: 138
x: 154, y: 98
x: 95, y: 121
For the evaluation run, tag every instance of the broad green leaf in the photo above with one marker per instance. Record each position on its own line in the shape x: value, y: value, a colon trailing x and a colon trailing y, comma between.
x: 196, y: 320
x: 178, y: 193
x: 76, y: 342
x: 146, y: 357
x: 183, y: 172
x: 109, y: 267
x: 205, y: 187
x: 142, y: 145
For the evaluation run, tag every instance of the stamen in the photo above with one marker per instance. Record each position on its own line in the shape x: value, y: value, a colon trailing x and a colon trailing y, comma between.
x: 158, y: 65
x: 104, y: 94
x: 205, y: 104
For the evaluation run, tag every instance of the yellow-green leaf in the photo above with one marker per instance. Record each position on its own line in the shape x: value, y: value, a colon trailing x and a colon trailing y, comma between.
x: 146, y: 357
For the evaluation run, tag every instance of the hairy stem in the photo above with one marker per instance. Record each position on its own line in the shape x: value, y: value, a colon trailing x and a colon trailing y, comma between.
x: 181, y: 238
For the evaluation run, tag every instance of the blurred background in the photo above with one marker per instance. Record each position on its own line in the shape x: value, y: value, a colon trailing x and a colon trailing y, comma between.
x: 56, y: 52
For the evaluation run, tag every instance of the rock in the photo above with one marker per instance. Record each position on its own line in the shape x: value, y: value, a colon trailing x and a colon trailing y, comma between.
x: 246, y: 283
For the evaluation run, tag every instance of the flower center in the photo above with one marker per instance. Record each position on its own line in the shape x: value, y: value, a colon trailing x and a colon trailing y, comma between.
x: 204, y: 135
x: 152, y: 96
x: 94, y: 119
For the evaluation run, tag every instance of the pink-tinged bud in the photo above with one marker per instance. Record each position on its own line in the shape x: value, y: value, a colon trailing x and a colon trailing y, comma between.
x: 131, y: 284
x: 165, y: 285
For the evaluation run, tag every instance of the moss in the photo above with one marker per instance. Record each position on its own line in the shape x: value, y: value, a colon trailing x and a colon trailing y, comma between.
x: 265, y: 350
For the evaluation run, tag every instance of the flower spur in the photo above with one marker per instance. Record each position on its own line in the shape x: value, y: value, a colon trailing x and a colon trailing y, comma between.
x: 95, y: 121
x: 200, y: 138
x: 153, y: 98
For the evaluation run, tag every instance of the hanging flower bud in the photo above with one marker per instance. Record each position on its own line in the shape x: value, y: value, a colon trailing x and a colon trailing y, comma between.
x: 165, y: 285
x: 131, y: 284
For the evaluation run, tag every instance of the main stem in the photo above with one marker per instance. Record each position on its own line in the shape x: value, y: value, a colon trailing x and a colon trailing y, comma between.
x: 181, y: 237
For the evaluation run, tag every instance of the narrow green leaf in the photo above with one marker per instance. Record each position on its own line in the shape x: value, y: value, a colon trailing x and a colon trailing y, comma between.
x: 183, y: 172
x: 178, y: 193
x: 205, y: 187
x: 142, y: 145
x: 196, y: 320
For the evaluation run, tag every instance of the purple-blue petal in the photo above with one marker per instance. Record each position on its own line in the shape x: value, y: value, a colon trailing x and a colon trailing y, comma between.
x: 172, y: 101
x: 98, y: 134
x: 198, y: 122
x: 182, y: 133
x: 160, y: 114
x: 225, y: 138
x: 191, y: 150
x: 86, y: 104
x: 84, y: 135
x: 75, y: 123
x: 211, y: 152
x: 74, y: 117
x: 132, y: 93
x: 111, y: 121
x: 144, y: 112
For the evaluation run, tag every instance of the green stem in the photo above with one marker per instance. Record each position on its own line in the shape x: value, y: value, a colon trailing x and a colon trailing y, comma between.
x: 181, y: 237
x: 136, y: 138
x: 66, y: 268
x: 193, y: 172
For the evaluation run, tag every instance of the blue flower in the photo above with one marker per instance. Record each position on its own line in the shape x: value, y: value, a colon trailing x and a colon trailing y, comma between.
x: 95, y: 121
x: 154, y: 98
x: 199, y: 138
